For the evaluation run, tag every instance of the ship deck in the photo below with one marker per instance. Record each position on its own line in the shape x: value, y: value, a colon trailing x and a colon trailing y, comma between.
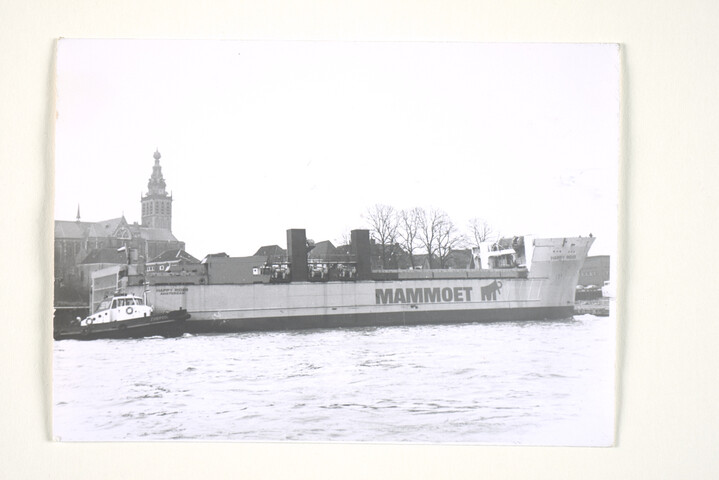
x: 381, y: 275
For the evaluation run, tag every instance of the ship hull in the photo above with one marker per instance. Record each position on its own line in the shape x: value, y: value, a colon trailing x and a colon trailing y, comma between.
x: 379, y: 319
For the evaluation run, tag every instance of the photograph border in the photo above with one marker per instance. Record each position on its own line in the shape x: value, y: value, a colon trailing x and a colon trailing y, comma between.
x: 663, y: 431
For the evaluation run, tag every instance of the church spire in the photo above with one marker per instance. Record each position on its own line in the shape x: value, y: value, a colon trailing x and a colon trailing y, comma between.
x: 156, y: 184
x: 157, y: 204
x: 78, y: 213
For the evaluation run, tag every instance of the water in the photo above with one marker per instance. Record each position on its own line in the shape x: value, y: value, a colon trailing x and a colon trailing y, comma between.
x: 547, y: 383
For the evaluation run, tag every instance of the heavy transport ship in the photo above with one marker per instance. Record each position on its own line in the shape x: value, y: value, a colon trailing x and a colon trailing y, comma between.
x: 514, y: 279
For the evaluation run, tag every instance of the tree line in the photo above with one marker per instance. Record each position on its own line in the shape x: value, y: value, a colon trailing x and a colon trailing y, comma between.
x: 418, y: 231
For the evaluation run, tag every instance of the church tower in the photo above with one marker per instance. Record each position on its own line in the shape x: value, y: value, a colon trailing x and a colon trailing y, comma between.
x: 157, y: 204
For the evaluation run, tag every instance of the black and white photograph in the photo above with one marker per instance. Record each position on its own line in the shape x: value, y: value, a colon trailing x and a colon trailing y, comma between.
x: 318, y: 241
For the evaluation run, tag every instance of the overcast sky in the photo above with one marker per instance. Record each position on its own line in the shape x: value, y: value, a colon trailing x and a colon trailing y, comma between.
x: 259, y: 137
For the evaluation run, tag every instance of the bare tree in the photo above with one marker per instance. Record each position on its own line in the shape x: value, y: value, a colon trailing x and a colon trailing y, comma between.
x: 480, y: 231
x: 408, y: 231
x: 383, y: 225
x: 429, y: 232
x: 439, y: 236
x: 448, y: 239
x: 345, y: 239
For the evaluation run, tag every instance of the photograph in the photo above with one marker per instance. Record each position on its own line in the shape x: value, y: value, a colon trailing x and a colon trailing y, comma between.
x: 323, y: 241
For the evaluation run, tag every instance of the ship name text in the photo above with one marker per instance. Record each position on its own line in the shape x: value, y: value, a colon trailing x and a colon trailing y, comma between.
x: 172, y: 290
x: 422, y: 295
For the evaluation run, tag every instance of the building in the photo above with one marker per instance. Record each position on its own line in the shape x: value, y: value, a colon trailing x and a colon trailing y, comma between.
x: 271, y: 251
x: 174, y: 267
x: 235, y: 270
x: 84, y: 247
x: 170, y: 260
x: 595, y: 271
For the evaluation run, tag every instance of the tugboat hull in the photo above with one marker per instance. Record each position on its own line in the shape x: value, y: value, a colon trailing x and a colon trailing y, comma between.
x: 170, y: 324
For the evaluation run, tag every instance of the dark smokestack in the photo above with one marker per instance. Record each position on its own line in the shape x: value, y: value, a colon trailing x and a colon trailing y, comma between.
x: 361, y: 251
x: 297, y: 252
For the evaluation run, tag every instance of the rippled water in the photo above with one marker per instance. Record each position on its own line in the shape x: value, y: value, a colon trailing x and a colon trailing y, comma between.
x: 505, y: 383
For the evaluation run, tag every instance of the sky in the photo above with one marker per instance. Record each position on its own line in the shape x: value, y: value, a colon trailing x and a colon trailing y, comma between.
x: 260, y: 137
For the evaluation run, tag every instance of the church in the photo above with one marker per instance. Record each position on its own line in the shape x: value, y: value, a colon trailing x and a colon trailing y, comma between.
x: 85, y: 247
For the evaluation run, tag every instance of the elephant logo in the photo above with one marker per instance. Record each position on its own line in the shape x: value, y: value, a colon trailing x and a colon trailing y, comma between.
x: 489, y: 292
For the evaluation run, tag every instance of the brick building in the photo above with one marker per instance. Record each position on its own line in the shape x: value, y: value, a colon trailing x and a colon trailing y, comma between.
x: 84, y: 247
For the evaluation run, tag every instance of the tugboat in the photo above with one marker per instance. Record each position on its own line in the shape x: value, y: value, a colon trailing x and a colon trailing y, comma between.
x: 125, y: 316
